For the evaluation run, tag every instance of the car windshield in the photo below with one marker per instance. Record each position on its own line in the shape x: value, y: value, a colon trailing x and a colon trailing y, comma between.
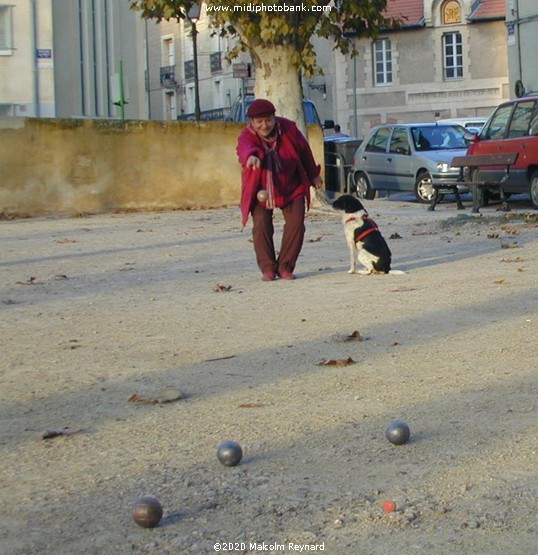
x: 438, y: 137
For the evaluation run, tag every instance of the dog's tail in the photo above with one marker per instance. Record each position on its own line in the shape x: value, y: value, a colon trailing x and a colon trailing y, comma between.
x: 397, y: 272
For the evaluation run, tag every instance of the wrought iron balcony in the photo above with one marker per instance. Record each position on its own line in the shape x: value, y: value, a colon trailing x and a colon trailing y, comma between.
x: 168, y: 76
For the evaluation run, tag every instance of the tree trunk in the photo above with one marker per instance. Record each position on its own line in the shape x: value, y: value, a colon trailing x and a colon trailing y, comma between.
x: 278, y: 80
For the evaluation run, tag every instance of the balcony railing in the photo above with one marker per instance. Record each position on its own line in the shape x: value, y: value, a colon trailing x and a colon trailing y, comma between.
x: 218, y: 114
x: 168, y: 76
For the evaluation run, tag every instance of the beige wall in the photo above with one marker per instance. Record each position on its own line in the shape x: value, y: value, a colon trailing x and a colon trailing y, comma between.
x: 54, y: 166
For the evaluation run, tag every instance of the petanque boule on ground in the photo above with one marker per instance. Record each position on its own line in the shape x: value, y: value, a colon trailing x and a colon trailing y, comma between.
x: 147, y: 511
x: 229, y: 453
x: 397, y: 432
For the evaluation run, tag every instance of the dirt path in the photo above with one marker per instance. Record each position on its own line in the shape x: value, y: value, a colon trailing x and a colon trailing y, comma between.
x: 99, y: 308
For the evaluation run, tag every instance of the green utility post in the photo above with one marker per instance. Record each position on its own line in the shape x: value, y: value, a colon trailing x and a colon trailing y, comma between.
x: 119, y: 94
x: 122, y: 93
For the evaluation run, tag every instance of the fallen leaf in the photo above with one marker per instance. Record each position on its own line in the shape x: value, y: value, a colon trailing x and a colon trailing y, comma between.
x: 55, y: 432
x: 250, y: 405
x: 395, y: 236
x: 316, y: 240
x: 31, y: 281
x: 220, y: 288
x: 337, y: 362
x: 499, y: 281
x: 401, y: 289
x: 63, y: 241
x: 162, y: 396
x: 60, y: 276
x: 355, y: 336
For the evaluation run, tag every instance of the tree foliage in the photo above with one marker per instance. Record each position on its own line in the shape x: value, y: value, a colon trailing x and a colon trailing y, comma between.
x: 267, y: 23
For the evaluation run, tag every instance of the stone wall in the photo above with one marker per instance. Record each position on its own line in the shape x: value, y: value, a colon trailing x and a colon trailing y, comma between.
x: 66, y: 167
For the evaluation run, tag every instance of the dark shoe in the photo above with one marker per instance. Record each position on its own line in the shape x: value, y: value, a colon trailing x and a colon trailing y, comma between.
x: 268, y: 276
x: 284, y: 274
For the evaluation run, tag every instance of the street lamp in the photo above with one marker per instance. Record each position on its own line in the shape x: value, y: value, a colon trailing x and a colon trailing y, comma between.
x: 193, y: 16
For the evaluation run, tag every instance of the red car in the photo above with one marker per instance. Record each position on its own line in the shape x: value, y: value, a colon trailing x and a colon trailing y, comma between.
x: 513, y: 127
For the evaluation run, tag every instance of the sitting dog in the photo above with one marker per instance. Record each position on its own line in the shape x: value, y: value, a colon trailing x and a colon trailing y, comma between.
x: 364, y: 240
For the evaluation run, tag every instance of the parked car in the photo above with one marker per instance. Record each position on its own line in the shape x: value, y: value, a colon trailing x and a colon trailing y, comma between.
x: 309, y: 109
x: 473, y: 124
x: 406, y: 157
x: 513, y: 127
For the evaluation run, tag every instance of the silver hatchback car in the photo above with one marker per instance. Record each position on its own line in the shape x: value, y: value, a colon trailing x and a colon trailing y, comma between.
x: 407, y: 157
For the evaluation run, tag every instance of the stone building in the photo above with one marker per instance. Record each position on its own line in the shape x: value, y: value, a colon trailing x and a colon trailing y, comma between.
x: 522, y: 30
x: 26, y: 59
x: 447, y: 59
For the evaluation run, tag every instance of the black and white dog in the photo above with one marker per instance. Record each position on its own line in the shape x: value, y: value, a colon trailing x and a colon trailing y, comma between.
x: 364, y: 240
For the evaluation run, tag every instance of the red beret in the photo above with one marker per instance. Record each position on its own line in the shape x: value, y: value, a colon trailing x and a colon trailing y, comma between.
x: 260, y: 107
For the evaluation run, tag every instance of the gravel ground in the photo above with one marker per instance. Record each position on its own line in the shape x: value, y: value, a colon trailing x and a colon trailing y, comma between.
x: 305, y: 375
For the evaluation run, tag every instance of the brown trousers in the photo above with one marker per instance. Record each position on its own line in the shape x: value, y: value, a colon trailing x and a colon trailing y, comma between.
x: 292, y: 237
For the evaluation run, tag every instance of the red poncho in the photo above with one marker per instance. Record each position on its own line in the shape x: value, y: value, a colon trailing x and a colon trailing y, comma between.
x: 287, y: 166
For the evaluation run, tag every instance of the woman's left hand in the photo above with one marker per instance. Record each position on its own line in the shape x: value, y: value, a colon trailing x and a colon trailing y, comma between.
x: 317, y: 182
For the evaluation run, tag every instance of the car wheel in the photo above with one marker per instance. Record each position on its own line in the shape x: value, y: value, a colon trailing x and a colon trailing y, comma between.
x: 423, y: 188
x: 534, y: 189
x: 363, y: 189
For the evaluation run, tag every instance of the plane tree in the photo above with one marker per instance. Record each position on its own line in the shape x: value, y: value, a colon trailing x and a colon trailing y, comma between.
x: 278, y: 35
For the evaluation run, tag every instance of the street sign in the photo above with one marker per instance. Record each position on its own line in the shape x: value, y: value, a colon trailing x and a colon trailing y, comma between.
x: 240, y: 71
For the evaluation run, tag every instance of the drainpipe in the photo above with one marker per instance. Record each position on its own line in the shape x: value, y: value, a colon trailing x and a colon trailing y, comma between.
x: 518, y: 27
x: 37, y: 108
x: 147, y: 83
x: 81, y: 60
x: 355, y: 115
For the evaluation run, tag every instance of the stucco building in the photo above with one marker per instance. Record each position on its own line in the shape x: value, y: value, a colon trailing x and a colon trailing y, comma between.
x: 448, y: 59
x: 522, y: 36
x: 171, y: 59
x: 26, y: 62
x: 99, y: 59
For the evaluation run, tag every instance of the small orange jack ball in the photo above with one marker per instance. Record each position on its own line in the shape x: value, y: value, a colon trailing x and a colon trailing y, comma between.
x: 263, y: 195
x: 389, y: 506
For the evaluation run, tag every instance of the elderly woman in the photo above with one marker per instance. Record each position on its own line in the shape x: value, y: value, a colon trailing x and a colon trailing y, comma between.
x: 278, y: 161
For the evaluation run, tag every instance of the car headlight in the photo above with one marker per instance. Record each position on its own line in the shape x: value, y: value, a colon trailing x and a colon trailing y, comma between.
x: 443, y: 167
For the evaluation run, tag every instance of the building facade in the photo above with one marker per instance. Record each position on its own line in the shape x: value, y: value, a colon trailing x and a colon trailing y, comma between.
x: 522, y: 38
x: 173, y: 65
x: 448, y: 59
x: 100, y: 60
x: 26, y: 59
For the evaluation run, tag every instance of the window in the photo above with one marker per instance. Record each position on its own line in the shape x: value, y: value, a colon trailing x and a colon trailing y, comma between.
x: 497, y: 125
x: 6, y: 39
x: 521, y: 118
x: 383, y: 62
x: 533, y: 129
x: 451, y: 12
x: 453, y: 55
x: 378, y: 143
x: 399, y: 143
x: 168, y: 51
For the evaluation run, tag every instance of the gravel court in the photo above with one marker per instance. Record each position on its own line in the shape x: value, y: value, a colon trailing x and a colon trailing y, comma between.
x: 124, y: 303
